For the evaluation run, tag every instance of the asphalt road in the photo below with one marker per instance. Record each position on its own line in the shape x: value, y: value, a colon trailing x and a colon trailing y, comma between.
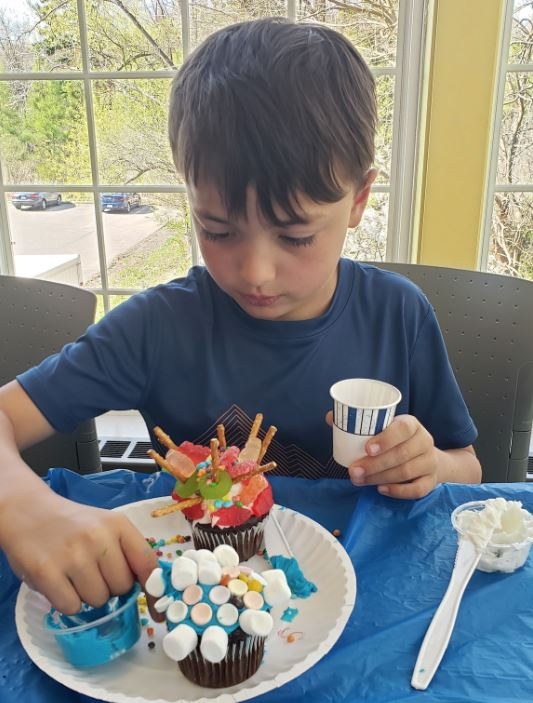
x: 71, y: 229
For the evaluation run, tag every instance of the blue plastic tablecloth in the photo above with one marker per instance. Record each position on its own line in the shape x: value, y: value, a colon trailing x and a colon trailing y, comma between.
x: 403, y: 553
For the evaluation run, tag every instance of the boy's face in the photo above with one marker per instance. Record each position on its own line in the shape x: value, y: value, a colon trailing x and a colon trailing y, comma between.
x: 273, y: 272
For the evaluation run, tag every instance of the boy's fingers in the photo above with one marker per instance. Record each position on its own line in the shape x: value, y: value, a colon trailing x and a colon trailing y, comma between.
x: 412, y: 490
x: 140, y: 556
x: 329, y: 418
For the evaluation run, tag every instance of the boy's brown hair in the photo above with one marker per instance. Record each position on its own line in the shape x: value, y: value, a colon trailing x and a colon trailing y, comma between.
x: 286, y: 108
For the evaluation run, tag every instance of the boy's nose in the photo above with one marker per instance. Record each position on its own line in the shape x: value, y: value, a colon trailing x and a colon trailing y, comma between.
x: 256, y: 267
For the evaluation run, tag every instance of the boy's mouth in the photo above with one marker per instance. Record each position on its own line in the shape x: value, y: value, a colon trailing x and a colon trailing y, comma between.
x: 261, y: 301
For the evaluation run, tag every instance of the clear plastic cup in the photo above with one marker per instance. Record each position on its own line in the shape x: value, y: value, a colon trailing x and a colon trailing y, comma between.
x: 507, y: 550
x: 95, y: 636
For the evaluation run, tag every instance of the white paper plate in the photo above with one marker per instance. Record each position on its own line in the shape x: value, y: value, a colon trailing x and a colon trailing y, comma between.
x: 143, y: 675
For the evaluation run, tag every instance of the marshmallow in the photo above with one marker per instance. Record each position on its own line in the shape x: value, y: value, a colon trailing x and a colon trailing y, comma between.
x: 192, y: 594
x: 256, y: 622
x: 214, y: 644
x: 184, y: 573
x: 163, y: 603
x: 200, y: 555
x: 227, y: 614
x: 155, y: 583
x: 180, y: 642
x: 226, y: 555
x: 201, y: 614
x: 253, y: 600
x: 277, y: 590
x: 209, y: 572
x: 177, y: 611
x: 219, y: 595
x: 237, y: 587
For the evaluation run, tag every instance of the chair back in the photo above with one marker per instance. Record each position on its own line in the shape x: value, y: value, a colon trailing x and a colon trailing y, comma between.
x: 487, y: 323
x: 37, y: 318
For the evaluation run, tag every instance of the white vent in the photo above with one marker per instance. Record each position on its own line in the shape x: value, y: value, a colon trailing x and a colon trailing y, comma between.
x: 125, y: 452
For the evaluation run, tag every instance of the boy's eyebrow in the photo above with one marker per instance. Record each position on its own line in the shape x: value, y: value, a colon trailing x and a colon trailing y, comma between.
x: 296, y: 220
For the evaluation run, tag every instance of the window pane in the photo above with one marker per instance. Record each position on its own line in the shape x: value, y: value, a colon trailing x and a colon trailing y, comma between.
x: 368, y: 241
x: 54, y: 241
x: 44, y: 37
x: 511, y: 237
x: 131, y: 131
x: 134, y: 35
x: 515, y: 159
x: 207, y: 17
x: 521, y: 46
x: 385, y: 99
x: 371, y: 25
x: 43, y: 132
x: 147, y: 243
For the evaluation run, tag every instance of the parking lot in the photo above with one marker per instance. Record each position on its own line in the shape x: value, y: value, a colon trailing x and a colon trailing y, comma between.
x: 70, y: 228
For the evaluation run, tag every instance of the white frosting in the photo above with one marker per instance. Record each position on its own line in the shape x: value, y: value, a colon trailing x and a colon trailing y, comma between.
x: 502, y: 531
x: 180, y: 642
x: 214, y: 644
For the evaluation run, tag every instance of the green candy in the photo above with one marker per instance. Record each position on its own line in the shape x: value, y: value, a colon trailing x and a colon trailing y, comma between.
x: 215, y: 490
x: 185, y: 490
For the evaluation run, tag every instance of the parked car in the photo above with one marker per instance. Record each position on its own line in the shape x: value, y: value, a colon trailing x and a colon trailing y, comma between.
x: 35, y: 200
x: 119, y: 201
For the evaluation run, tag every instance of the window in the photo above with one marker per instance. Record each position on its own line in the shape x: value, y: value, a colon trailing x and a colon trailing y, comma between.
x: 509, y: 211
x: 88, y: 191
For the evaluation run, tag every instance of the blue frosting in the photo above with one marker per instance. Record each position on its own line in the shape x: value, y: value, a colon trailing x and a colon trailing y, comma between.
x: 299, y: 585
x: 166, y: 566
x: 90, y: 637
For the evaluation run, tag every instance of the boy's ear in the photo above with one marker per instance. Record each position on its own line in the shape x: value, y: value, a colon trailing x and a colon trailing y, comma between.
x: 360, y: 199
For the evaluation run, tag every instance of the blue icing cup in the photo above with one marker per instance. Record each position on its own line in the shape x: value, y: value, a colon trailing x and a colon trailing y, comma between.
x: 95, y: 636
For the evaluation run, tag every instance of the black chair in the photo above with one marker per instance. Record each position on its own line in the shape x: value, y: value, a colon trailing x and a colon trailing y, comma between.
x: 487, y: 323
x: 37, y: 318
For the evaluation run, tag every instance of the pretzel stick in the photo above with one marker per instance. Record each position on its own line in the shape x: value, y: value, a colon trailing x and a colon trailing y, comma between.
x: 266, y: 442
x: 221, y: 436
x: 163, y: 463
x: 167, y: 509
x: 215, y: 459
x: 258, y: 470
x: 256, y: 426
x: 164, y: 438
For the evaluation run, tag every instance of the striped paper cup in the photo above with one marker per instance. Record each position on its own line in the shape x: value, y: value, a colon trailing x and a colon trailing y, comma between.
x: 362, y: 407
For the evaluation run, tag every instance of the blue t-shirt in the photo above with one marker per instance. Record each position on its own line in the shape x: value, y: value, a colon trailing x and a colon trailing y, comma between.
x: 188, y: 357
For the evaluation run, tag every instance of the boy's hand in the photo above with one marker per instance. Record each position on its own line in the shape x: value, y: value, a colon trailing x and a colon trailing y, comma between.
x: 402, y: 461
x: 73, y: 553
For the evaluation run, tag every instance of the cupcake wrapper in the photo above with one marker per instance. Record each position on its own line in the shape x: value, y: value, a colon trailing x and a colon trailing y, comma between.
x: 247, y: 539
x: 241, y: 661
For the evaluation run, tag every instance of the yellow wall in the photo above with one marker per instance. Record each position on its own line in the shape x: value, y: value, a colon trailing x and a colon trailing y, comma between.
x: 463, y: 64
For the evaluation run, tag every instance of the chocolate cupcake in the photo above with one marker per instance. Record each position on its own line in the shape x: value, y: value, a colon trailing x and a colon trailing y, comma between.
x: 221, y: 490
x: 217, y: 614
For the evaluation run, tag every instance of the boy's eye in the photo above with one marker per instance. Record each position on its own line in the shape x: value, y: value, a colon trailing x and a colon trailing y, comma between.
x: 213, y: 236
x: 298, y: 241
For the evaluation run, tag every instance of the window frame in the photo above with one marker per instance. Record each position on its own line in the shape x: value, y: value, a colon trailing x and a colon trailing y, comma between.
x: 401, y: 191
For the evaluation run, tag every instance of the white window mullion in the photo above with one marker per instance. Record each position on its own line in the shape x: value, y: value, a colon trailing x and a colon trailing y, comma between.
x: 496, y: 122
x: 407, y: 92
x: 91, y: 132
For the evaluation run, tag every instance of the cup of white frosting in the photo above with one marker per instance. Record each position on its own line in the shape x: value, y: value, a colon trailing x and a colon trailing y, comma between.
x: 501, y: 528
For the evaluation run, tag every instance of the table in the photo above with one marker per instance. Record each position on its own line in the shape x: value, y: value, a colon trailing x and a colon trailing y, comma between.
x: 403, y: 553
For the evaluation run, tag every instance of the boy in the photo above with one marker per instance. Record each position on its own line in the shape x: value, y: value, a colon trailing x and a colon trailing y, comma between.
x: 272, y: 126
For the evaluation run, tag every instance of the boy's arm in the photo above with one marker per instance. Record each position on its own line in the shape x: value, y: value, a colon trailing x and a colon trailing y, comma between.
x: 67, y: 551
